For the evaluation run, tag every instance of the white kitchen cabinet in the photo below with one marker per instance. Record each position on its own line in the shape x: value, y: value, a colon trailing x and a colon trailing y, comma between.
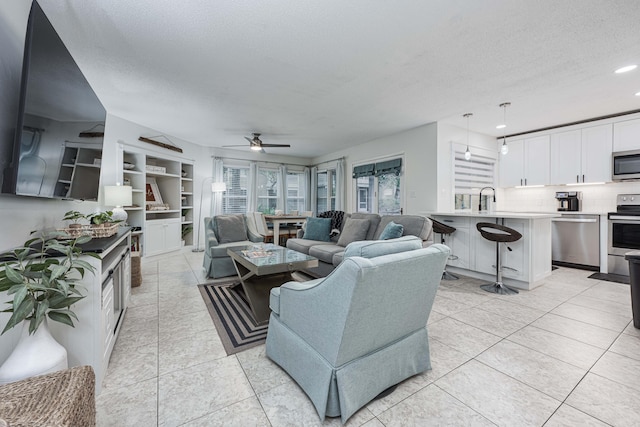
x: 527, y: 162
x: 597, y: 146
x: 458, y: 241
x: 536, y: 160
x: 512, y: 165
x: 514, y: 263
x: 626, y: 135
x: 565, y: 157
x: 581, y: 155
x: 162, y: 235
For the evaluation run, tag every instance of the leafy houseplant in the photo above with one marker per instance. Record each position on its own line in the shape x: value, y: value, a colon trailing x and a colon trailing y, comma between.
x: 101, y: 218
x: 42, y: 285
x: 186, y: 230
x: 74, y: 217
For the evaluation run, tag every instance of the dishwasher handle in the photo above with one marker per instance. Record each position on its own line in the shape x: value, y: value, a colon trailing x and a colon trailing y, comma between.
x: 583, y: 220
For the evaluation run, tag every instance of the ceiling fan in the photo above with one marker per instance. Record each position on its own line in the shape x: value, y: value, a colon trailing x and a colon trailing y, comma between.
x: 256, y: 143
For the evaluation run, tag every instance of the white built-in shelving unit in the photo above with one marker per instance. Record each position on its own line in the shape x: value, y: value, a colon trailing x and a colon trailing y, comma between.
x: 159, y: 231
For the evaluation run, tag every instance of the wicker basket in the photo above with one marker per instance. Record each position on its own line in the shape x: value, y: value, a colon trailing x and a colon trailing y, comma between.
x: 136, y: 271
x: 95, y: 231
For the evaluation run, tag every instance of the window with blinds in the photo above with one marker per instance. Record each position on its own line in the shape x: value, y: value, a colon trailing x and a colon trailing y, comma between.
x: 469, y: 176
x: 234, y: 200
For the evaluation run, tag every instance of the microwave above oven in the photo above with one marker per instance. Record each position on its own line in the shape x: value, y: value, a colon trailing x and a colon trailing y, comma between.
x: 626, y: 165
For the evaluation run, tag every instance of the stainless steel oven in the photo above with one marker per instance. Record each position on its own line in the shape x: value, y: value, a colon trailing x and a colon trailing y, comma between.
x: 624, y: 232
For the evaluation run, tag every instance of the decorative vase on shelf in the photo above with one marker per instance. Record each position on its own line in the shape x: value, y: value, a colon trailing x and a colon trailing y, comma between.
x: 35, y: 354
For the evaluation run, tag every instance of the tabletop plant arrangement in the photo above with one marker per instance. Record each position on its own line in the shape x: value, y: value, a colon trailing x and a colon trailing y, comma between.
x: 42, y: 278
x: 43, y: 285
x: 100, y: 224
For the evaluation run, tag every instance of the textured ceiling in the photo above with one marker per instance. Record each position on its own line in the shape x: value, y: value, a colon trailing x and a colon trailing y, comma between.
x: 323, y: 75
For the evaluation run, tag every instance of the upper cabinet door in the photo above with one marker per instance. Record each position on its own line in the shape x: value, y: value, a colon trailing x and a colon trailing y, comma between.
x: 565, y: 157
x: 596, y: 153
x: 626, y: 135
x: 537, y: 160
x: 512, y: 165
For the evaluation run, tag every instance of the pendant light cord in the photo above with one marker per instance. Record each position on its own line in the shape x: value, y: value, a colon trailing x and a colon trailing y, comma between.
x: 467, y: 154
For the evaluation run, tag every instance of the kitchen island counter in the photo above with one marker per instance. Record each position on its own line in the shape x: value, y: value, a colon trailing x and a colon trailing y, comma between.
x: 499, y: 214
x: 525, y: 266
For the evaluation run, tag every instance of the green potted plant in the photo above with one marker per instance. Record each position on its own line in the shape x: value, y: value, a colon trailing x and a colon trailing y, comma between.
x: 74, y: 217
x: 185, y: 231
x: 102, y: 219
x: 43, y: 286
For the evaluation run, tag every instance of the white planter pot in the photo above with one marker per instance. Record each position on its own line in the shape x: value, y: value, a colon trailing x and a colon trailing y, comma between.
x: 35, y: 354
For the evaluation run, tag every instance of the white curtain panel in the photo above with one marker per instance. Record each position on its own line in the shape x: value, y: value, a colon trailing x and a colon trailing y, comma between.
x: 313, y: 194
x: 218, y: 176
x: 340, y: 185
x: 307, y: 192
x: 282, y: 188
x: 252, y: 193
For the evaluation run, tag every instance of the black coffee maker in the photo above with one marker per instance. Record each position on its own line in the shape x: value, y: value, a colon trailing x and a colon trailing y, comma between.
x: 568, y: 201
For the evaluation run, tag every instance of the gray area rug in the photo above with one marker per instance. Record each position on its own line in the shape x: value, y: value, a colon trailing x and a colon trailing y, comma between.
x: 231, y: 315
x: 617, y: 278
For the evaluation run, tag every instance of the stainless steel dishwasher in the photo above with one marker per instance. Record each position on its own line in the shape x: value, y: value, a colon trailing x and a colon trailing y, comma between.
x: 576, y: 241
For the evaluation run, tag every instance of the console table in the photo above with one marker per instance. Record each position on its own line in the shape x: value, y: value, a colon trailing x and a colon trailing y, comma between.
x: 101, y: 312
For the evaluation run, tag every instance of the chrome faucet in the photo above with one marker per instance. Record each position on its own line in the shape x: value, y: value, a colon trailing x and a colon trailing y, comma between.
x: 480, y: 201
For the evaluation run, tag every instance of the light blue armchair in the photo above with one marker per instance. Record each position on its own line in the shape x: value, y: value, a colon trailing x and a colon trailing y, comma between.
x: 347, y: 337
x: 221, y: 233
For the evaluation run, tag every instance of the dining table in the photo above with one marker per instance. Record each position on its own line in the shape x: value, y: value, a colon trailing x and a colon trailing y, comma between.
x: 277, y: 220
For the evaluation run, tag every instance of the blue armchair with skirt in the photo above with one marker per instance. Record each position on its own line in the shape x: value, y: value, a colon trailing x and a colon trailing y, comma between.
x: 349, y: 336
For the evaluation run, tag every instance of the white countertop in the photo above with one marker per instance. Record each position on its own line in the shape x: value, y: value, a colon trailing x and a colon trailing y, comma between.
x: 499, y: 214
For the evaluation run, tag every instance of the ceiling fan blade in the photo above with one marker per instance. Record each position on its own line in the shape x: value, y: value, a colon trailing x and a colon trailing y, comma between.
x: 275, y: 145
x: 249, y: 139
x: 236, y: 145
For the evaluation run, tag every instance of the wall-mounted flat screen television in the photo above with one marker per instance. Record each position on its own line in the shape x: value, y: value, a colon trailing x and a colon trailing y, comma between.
x: 57, y: 148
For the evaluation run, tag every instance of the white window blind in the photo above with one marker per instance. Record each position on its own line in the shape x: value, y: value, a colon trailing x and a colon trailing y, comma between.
x: 471, y: 175
x: 234, y: 200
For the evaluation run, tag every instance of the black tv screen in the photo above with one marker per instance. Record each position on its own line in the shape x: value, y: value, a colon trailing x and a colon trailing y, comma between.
x: 57, y: 149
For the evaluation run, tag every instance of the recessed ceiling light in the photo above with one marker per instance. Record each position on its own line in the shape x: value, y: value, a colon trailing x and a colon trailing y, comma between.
x: 625, y: 69
x: 501, y: 126
x: 637, y: 93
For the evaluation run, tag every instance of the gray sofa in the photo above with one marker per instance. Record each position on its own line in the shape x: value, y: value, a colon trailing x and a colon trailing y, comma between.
x: 330, y: 253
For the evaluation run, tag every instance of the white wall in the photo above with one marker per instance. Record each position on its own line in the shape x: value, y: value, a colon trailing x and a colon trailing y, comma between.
x: 417, y: 146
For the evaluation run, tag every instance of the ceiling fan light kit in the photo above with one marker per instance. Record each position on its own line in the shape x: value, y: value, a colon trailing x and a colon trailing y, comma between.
x: 256, y: 144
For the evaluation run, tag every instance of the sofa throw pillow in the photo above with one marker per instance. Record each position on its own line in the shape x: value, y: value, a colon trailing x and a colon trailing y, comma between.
x: 353, y: 230
x: 231, y: 228
x: 392, y: 231
x: 317, y: 229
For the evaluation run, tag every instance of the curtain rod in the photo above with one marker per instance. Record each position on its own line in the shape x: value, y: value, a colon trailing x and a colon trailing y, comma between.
x: 275, y: 163
x: 329, y: 161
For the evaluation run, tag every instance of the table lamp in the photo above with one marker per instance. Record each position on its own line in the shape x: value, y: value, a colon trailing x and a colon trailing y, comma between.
x: 118, y: 196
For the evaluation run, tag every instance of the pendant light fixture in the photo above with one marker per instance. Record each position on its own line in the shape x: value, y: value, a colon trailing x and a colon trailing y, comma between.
x: 505, y: 148
x: 467, y: 154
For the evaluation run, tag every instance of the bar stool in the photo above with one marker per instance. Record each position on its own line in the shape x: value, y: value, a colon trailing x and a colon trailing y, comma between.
x: 443, y: 230
x: 500, y: 234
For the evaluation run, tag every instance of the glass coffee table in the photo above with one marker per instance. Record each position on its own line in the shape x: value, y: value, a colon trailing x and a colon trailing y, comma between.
x: 262, y: 267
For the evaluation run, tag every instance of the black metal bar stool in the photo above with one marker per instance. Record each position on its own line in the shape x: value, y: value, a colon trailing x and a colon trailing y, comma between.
x: 499, y: 234
x: 443, y: 230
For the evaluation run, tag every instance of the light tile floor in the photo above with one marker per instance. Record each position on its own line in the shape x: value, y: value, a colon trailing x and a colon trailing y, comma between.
x: 564, y: 354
